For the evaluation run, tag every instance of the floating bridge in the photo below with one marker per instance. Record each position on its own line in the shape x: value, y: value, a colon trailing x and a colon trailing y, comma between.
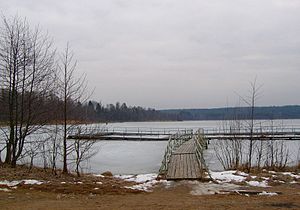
x: 121, y: 134
x: 183, y: 158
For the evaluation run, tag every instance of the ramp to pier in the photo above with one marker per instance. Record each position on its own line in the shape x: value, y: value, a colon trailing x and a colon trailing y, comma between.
x: 183, y: 158
x: 183, y: 163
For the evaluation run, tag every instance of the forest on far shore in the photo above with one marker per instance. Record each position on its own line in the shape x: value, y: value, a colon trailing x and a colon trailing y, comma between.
x: 93, y: 111
x: 121, y: 113
x: 228, y: 113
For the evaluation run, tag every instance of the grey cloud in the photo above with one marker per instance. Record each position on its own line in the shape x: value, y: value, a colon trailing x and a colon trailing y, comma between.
x: 172, y: 53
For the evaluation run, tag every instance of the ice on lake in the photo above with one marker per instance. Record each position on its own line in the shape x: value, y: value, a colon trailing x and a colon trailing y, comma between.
x: 144, y: 157
x: 136, y: 157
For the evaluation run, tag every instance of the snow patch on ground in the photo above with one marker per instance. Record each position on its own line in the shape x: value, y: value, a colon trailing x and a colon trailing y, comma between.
x: 200, y: 188
x: 32, y: 181
x: 99, y: 175
x: 291, y: 174
x: 17, y: 182
x: 10, y: 184
x: 140, y: 178
x: 242, y: 173
x: 257, y: 183
x: 267, y: 193
x: 147, y: 186
x: 229, y: 176
x: 125, y: 177
x: 5, y: 190
x: 145, y: 181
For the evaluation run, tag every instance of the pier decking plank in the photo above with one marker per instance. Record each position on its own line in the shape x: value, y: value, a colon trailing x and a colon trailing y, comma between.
x: 183, y: 163
x: 186, y: 148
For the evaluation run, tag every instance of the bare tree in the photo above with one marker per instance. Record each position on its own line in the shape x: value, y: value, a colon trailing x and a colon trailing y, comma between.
x: 251, y: 102
x: 26, y: 77
x: 31, y: 151
x: 230, y: 151
x: 72, y: 91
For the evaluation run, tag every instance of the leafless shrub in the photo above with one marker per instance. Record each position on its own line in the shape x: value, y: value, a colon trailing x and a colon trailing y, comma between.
x: 82, y: 150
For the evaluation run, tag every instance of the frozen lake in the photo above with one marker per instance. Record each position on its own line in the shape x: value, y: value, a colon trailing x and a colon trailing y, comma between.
x: 131, y: 157
x: 138, y: 157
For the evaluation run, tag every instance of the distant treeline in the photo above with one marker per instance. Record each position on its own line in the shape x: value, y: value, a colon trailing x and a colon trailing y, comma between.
x: 51, y: 109
x: 269, y: 112
x: 120, y: 112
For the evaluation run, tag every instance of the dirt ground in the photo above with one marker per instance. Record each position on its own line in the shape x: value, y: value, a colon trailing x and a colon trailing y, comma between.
x: 70, y: 192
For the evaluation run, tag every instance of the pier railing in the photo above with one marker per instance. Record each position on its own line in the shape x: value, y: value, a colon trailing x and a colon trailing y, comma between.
x: 201, y: 145
x: 258, y: 129
x: 96, y: 129
x: 258, y: 133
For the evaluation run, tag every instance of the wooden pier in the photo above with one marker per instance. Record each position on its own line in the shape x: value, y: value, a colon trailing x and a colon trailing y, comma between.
x: 121, y: 137
x: 183, y: 163
x: 183, y: 159
x: 163, y: 134
x: 256, y: 135
x: 125, y: 134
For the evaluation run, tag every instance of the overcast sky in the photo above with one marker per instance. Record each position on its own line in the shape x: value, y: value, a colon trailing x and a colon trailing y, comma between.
x: 174, y: 53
